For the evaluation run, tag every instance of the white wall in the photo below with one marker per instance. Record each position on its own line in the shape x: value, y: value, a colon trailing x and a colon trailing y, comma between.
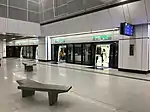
x: 32, y: 41
x: 44, y: 49
x: 149, y: 45
x: 1, y: 49
x: 18, y: 26
x: 4, y: 49
x: 87, y: 37
x: 105, y: 19
x: 140, y: 60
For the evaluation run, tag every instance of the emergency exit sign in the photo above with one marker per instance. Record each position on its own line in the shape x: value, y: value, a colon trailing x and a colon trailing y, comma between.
x: 102, y: 37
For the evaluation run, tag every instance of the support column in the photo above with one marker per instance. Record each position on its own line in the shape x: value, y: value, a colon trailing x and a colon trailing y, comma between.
x: 4, y: 49
x: 44, y: 49
x: 1, y: 49
x: 134, y: 51
x: 133, y: 55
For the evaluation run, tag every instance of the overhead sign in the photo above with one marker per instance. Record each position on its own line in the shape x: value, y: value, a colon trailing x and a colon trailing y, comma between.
x: 102, y: 37
x: 59, y: 40
x: 126, y: 29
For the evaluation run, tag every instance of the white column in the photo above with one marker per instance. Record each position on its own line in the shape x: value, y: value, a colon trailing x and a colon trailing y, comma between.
x: 44, y: 49
x: 139, y: 61
x: 1, y: 49
x: 4, y: 48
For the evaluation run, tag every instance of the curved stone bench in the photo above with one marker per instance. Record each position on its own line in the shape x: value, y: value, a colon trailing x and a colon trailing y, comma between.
x: 29, y: 87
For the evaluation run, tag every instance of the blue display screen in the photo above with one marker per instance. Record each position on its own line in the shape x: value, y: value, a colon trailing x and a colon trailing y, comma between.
x: 128, y: 29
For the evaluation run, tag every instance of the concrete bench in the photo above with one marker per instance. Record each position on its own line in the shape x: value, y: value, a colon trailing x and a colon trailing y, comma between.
x: 29, y: 66
x: 29, y: 87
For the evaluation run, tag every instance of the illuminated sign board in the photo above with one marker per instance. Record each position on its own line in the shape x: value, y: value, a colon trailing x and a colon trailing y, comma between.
x: 59, y: 40
x: 126, y: 29
x: 102, y: 37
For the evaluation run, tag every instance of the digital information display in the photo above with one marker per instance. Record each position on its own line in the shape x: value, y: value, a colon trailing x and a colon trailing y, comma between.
x: 127, y: 29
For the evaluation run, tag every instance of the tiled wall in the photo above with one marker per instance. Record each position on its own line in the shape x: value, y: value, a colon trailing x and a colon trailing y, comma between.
x: 26, y: 10
x: 53, y: 9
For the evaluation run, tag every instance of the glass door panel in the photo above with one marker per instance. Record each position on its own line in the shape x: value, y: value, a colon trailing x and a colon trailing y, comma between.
x: 87, y: 54
x: 78, y: 53
x: 70, y: 53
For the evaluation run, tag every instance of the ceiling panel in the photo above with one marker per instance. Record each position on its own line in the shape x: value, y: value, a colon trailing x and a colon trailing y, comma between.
x: 117, y: 15
x: 137, y: 12
x: 100, y: 20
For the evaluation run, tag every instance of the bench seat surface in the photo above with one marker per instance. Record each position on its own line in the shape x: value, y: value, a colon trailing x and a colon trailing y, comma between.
x: 29, y: 64
x: 30, y: 84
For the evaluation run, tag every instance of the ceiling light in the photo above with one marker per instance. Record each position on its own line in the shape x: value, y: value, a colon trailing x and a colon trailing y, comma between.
x: 13, y: 38
x: 4, y: 39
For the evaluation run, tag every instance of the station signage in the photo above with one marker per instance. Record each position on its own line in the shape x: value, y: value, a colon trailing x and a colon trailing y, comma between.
x: 59, y: 40
x: 102, y: 37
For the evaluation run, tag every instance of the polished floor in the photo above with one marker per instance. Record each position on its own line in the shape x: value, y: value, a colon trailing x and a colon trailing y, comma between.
x: 92, y: 92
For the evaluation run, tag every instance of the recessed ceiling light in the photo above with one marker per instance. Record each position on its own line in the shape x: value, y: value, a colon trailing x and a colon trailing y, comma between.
x: 4, y: 39
x: 13, y: 38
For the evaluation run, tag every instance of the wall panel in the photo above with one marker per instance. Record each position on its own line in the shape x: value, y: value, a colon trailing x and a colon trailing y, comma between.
x: 3, y: 2
x: 100, y: 20
x: 147, y: 3
x: 48, y: 15
x: 19, y: 14
x: 33, y: 17
x: 3, y: 25
x: 18, y: 3
x: 3, y: 11
x: 76, y: 25
x: 12, y: 26
x: 61, y: 10
x: 22, y: 27
x: 137, y: 12
x: 33, y: 6
x: 117, y: 15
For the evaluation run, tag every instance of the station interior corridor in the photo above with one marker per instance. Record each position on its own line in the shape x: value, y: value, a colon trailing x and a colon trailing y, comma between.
x: 91, y: 92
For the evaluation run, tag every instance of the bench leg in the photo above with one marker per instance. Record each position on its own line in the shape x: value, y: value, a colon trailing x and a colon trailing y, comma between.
x: 26, y: 93
x: 29, y: 68
x: 26, y: 68
x: 53, y: 96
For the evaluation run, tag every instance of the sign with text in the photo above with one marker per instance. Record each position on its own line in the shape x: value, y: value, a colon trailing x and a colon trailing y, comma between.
x: 102, y: 37
x: 59, y: 40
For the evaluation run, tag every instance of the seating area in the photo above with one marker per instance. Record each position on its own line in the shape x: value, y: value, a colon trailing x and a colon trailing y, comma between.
x: 29, y: 87
x: 29, y: 66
